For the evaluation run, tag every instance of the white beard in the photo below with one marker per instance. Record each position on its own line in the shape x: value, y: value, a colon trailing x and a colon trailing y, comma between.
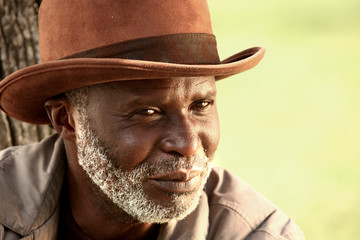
x: 124, y: 188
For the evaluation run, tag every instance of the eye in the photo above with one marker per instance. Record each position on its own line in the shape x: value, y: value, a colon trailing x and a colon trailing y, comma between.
x: 147, y: 112
x: 202, y: 105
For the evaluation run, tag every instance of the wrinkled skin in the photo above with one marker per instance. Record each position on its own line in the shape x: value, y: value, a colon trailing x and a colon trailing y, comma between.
x: 142, y: 121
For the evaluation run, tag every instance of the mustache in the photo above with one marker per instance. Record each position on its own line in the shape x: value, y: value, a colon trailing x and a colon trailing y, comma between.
x: 173, y: 164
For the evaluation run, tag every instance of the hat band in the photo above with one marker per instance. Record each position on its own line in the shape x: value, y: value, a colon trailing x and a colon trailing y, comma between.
x: 187, y: 48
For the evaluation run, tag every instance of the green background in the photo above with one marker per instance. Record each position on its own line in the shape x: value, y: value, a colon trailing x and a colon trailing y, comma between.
x: 290, y: 127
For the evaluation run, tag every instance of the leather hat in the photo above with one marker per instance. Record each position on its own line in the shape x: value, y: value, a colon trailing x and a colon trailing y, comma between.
x: 86, y: 42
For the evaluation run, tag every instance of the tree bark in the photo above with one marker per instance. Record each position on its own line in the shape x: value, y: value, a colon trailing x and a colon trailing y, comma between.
x: 19, y: 48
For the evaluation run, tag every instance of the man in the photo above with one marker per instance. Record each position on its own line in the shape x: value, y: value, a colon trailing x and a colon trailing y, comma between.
x: 130, y: 88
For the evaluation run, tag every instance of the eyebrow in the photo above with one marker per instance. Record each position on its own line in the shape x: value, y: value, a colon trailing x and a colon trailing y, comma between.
x: 210, y: 94
x: 143, y: 101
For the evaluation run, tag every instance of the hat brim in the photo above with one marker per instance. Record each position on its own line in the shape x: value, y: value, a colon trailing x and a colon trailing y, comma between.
x: 23, y: 93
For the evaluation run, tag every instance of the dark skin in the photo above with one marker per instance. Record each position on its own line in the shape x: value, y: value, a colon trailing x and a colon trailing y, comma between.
x: 142, y: 121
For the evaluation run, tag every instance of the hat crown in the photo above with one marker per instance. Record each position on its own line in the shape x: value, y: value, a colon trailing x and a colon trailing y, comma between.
x: 67, y: 27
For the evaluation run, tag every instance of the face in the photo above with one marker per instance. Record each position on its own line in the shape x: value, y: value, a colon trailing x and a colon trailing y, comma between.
x: 148, y: 144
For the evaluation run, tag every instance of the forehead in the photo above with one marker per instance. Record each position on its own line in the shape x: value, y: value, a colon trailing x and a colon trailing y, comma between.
x: 154, y: 87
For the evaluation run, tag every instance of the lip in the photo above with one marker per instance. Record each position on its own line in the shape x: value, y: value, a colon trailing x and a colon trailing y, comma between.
x: 177, y: 182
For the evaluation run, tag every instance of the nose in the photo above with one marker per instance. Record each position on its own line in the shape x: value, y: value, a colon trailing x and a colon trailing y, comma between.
x: 182, y: 138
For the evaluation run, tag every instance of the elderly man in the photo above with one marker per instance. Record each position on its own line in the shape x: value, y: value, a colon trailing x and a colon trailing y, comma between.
x: 130, y: 88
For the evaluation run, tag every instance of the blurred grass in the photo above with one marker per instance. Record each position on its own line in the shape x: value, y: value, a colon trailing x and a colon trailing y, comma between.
x: 291, y: 126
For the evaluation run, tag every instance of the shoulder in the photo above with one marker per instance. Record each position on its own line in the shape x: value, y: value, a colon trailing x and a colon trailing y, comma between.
x: 237, y: 211
x: 40, y: 149
x: 30, y: 178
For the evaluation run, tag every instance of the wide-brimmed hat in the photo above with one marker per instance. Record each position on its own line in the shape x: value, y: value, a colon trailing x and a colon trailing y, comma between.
x: 86, y: 42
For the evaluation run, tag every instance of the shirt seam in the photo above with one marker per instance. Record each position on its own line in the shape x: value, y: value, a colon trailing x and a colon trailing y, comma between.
x: 268, y: 233
x: 9, y: 153
x: 233, y: 209
x: 31, y: 229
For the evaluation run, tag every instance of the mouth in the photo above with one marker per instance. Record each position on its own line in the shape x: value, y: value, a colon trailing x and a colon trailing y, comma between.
x: 179, y: 181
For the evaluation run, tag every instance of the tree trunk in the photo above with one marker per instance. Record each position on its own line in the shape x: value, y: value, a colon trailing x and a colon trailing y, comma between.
x: 18, y: 49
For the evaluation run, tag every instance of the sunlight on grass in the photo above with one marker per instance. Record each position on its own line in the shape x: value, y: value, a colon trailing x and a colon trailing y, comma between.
x: 290, y: 127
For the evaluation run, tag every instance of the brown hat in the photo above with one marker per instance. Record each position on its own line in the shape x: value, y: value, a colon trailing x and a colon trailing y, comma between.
x: 89, y: 42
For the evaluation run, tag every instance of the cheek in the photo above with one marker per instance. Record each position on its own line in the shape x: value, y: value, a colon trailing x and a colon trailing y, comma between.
x: 211, y: 136
x: 128, y: 150
x: 128, y: 146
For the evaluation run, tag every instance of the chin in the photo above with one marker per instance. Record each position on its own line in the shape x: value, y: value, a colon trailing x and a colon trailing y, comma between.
x: 180, y: 206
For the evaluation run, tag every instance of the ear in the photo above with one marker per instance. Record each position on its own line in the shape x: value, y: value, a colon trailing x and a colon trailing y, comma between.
x: 62, y: 116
